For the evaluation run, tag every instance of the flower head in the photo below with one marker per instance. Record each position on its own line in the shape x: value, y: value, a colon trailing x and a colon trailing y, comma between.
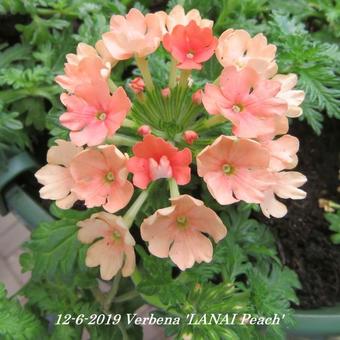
x: 137, y: 85
x: 190, y: 45
x: 293, y: 97
x: 93, y: 114
x: 114, y: 246
x: 134, y: 34
x: 285, y: 184
x: 100, y: 177
x: 247, y: 100
x: 155, y: 158
x: 177, y: 231
x: 237, y: 48
x: 56, y: 176
x: 234, y: 169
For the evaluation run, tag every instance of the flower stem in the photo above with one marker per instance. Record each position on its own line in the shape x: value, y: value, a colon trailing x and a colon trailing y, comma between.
x: 174, y: 191
x: 119, y: 139
x: 172, y: 73
x: 131, y: 214
x: 142, y: 64
x: 183, y: 80
x: 112, y: 86
x: 112, y: 293
x: 126, y: 297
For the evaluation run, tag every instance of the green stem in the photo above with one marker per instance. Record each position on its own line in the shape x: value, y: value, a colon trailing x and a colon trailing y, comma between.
x: 126, y: 297
x: 119, y: 139
x: 122, y: 329
x: 112, y: 293
x: 131, y: 214
x: 183, y: 80
x: 172, y: 73
x: 153, y: 299
x: 174, y: 191
x: 142, y: 64
x: 112, y: 86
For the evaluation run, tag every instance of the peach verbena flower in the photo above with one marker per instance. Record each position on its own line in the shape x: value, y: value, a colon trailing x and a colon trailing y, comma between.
x: 163, y: 125
x: 234, y: 169
x: 134, y: 34
x: 155, y: 158
x: 56, y: 176
x: 94, y: 114
x: 113, y: 249
x: 178, y: 231
x: 190, y: 45
x: 100, y: 177
x: 177, y: 16
x: 237, y: 48
x: 247, y: 100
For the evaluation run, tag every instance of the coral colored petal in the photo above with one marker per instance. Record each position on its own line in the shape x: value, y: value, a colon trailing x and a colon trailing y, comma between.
x: 118, y: 197
x: 91, y: 229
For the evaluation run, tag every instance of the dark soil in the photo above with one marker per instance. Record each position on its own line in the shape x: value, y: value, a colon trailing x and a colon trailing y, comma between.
x: 303, y: 236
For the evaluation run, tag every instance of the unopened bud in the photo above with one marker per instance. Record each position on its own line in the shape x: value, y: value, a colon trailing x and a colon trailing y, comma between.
x: 165, y: 92
x: 190, y: 136
x: 144, y: 130
x: 137, y: 85
x: 197, y: 97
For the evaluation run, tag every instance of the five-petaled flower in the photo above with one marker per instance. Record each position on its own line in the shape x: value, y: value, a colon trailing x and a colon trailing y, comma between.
x: 155, y: 158
x: 235, y: 169
x: 247, y: 100
x: 56, y: 176
x: 190, y: 45
x: 177, y: 231
x: 93, y: 114
x: 100, y: 176
x: 113, y: 249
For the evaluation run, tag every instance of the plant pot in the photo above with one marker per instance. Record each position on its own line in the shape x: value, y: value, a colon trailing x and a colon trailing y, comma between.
x: 317, y: 323
x: 14, y: 198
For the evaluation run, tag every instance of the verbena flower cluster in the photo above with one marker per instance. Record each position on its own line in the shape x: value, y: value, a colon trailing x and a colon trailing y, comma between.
x: 169, y: 128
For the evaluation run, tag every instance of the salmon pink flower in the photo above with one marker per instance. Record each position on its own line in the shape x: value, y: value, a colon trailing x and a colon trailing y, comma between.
x: 134, y: 34
x: 87, y: 71
x: 282, y: 152
x: 177, y: 16
x: 177, y: 231
x: 234, y: 169
x: 93, y: 114
x: 247, y: 100
x: 137, y: 85
x: 100, y: 176
x: 190, y: 45
x: 113, y: 248
x: 293, y: 97
x: 190, y: 136
x: 237, y: 48
x: 155, y: 158
x: 285, y: 185
x: 56, y: 176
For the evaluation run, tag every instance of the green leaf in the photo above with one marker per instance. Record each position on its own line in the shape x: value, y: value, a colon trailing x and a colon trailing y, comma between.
x: 17, y: 322
x: 334, y: 220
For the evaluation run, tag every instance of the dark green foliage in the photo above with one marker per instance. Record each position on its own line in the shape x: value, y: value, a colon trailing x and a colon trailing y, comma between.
x: 334, y: 221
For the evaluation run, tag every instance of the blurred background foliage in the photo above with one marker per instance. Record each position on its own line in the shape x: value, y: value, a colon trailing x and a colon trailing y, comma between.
x: 36, y: 34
